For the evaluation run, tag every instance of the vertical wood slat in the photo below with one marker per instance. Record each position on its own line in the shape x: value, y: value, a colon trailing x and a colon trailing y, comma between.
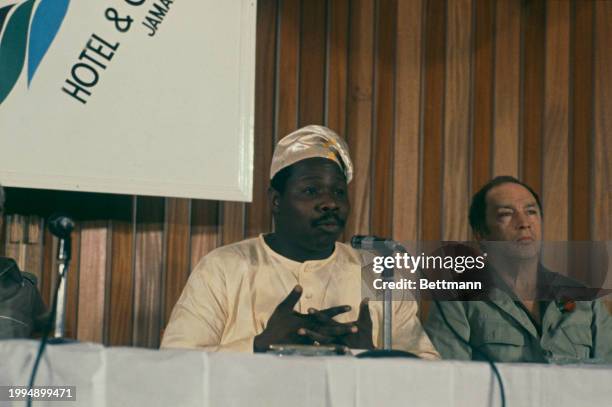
x: 121, y: 306
x: 15, y: 233
x: 178, y: 256
x: 433, y: 125
x: 2, y: 234
x: 483, y: 93
x: 456, y: 121
x: 533, y: 93
x: 384, y: 82
x: 148, y: 269
x: 582, y: 130
x: 359, y: 112
x: 72, y: 286
x: 406, y: 169
x: 602, y: 160
x: 312, y: 63
x: 34, y: 247
x: 48, y: 267
x: 337, y: 73
x: 92, y: 282
x: 288, y: 66
x: 337, y: 65
x: 555, y: 159
x: 232, y: 227
x: 31, y: 248
x: 258, y: 217
x: 205, y: 233
x: 507, y: 88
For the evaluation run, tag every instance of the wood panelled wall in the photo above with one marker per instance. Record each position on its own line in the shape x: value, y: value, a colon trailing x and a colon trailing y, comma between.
x: 435, y: 97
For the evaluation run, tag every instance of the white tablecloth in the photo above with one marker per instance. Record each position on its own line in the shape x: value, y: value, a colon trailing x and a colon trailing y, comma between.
x: 139, y: 377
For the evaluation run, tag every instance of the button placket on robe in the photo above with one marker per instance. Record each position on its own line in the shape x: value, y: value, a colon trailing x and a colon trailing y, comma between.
x: 308, y: 279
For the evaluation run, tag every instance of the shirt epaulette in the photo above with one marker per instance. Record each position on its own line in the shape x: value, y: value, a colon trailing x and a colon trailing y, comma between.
x: 9, y: 269
x: 30, y: 278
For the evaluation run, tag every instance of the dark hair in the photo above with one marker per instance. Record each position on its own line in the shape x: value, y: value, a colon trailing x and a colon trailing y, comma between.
x: 279, y: 181
x: 478, y: 208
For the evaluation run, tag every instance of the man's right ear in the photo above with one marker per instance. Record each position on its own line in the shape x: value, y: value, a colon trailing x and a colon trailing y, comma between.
x: 274, y: 199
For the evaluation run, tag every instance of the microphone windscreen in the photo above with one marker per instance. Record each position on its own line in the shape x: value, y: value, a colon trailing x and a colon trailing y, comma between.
x: 60, y: 225
x: 356, y: 241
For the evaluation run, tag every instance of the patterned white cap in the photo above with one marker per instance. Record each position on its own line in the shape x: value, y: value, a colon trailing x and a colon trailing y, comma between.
x: 310, y: 142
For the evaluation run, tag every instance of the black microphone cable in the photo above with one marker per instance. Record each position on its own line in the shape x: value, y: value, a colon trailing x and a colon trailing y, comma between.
x: 45, y: 336
x: 479, y: 352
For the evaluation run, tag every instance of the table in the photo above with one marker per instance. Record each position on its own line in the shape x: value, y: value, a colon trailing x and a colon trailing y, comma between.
x: 142, y: 377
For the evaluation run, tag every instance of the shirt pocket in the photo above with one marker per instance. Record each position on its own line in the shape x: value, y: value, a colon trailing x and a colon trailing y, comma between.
x: 499, y: 341
x: 13, y: 328
x: 581, y: 338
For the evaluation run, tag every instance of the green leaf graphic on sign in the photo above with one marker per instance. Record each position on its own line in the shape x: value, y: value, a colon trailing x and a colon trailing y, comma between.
x: 13, y: 48
x: 3, y: 13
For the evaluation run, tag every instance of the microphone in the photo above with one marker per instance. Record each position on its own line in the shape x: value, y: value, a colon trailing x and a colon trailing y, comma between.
x: 376, y: 243
x: 386, y: 247
x: 60, y: 225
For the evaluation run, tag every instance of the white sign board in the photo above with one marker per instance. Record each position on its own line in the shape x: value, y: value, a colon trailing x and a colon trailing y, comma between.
x: 146, y: 97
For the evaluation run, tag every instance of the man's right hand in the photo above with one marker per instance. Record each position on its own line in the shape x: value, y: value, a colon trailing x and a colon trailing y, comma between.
x: 284, y: 324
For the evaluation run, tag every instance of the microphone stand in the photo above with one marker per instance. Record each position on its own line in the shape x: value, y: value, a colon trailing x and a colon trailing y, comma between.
x: 388, y: 276
x: 63, y: 258
x: 387, y: 326
x: 384, y: 247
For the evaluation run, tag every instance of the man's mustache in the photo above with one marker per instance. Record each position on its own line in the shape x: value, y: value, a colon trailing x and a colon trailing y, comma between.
x: 327, y: 218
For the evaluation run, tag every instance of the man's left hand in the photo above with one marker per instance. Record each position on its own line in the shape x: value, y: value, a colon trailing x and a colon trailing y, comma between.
x: 356, y: 335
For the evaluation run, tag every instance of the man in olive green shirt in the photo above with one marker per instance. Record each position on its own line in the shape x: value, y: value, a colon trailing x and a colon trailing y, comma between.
x: 22, y: 310
x: 516, y: 322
